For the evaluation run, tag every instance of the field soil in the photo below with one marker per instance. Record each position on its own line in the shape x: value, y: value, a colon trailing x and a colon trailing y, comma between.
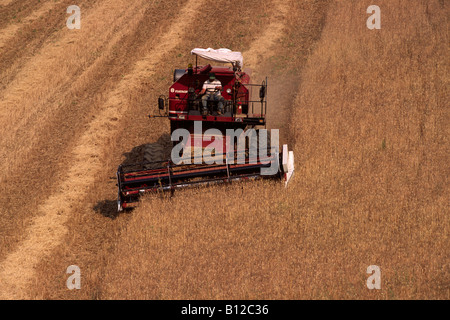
x: 364, y: 111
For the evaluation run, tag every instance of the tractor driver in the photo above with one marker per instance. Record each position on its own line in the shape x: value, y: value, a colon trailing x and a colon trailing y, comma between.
x: 211, y: 90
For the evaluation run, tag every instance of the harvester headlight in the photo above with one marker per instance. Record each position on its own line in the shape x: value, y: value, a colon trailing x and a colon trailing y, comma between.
x: 229, y: 91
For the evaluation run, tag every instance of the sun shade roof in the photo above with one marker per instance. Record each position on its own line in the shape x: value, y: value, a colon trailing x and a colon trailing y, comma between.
x: 220, y: 55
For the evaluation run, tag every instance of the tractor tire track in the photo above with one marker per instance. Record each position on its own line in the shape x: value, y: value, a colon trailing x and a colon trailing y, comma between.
x: 48, y: 228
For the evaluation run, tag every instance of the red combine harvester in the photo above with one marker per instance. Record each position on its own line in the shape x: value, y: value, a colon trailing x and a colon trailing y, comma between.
x: 232, y: 114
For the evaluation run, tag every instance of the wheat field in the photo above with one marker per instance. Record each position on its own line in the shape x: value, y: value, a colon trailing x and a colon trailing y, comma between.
x: 364, y: 111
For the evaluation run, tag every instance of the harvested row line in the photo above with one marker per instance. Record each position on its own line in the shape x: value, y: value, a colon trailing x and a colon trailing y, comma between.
x: 14, y: 263
x: 48, y: 228
x: 9, y: 32
x: 28, y: 101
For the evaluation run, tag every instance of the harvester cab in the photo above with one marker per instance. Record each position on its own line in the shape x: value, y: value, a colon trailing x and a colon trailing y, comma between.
x: 222, y: 132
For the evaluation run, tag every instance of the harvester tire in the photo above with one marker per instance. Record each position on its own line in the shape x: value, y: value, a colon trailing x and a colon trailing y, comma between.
x: 158, y: 151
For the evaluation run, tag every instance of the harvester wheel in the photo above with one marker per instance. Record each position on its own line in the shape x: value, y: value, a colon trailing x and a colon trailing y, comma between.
x: 158, y: 151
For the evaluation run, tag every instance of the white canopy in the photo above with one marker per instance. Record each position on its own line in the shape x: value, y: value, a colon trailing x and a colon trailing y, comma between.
x: 220, y: 55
